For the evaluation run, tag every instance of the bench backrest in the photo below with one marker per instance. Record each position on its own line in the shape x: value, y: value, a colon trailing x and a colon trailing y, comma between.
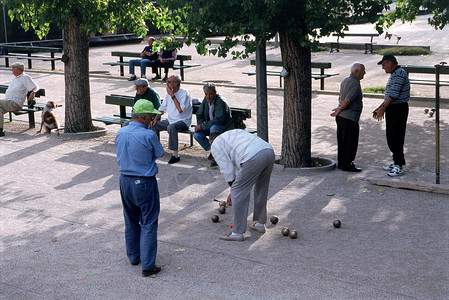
x: 137, y: 54
x: 425, y: 69
x: 278, y: 63
x: 39, y: 93
x: 28, y: 49
x: 356, y: 34
x: 123, y: 101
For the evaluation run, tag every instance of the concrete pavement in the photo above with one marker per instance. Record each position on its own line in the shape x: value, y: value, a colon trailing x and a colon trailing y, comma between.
x: 62, y: 227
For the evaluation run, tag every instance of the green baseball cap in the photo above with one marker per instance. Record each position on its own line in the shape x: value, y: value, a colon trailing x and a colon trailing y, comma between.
x: 144, y: 106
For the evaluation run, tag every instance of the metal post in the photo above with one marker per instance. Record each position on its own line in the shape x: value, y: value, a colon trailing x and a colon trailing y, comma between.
x: 261, y: 91
x: 4, y: 22
x: 437, y: 122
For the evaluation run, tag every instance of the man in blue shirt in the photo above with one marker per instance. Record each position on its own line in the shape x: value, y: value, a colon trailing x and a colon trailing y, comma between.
x: 148, y: 59
x: 137, y: 150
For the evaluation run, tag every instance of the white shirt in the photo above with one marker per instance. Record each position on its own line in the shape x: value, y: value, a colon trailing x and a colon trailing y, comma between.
x: 234, y: 147
x: 19, y: 87
x: 185, y: 101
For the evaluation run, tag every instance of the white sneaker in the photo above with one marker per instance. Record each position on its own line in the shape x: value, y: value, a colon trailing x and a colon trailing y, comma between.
x: 396, y: 171
x: 389, y: 167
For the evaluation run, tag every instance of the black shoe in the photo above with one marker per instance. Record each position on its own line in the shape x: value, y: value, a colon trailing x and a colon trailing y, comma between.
x: 146, y: 273
x: 213, y: 163
x: 2, y: 133
x: 164, y: 79
x: 132, y: 78
x: 156, y: 77
x: 136, y: 263
x: 210, y: 157
x: 351, y: 168
x: 174, y: 159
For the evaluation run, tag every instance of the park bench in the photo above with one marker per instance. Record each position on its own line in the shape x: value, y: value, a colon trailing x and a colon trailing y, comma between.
x: 368, y: 46
x: 29, y: 53
x: 426, y: 70
x: 177, y: 66
x: 36, y: 107
x: 238, y: 114
x: 321, y: 75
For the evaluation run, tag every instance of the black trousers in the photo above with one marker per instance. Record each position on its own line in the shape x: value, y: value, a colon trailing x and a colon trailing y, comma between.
x: 347, y: 140
x: 166, y: 65
x: 396, y: 121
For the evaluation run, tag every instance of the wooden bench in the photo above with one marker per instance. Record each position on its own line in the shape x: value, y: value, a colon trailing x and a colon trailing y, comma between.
x: 368, y: 46
x: 25, y: 52
x: 121, y: 62
x: 240, y: 114
x: 315, y: 75
x: 27, y: 110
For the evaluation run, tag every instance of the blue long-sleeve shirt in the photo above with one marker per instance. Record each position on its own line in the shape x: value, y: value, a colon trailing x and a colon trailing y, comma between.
x: 137, y: 150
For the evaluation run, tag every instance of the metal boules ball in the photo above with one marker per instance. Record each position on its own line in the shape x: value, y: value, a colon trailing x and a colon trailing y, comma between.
x: 337, y: 223
x: 222, y: 209
x: 215, y: 218
x: 293, y: 234
x: 274, y: 219
x: 285, y: 231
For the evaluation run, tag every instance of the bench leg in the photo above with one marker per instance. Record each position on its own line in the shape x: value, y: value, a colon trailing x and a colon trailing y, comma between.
x: 191, y: 139
x: 30, y: 66
x: 52, y: 62
x: 10, y: 116
x: 31, y: 120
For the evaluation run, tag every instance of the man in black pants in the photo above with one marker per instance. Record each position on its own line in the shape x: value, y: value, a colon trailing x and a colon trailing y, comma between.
x: 347, y: 116
x: 395, y: 108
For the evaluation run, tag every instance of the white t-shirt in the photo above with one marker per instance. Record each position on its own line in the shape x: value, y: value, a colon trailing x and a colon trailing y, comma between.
x: 185, y: 101
x: 233, y: 148
x: 19, y: 87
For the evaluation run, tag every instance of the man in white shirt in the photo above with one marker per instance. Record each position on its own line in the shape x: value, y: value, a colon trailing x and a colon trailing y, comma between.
x: 17, y: 92
x: 245, y: 160
x: 178, y: 104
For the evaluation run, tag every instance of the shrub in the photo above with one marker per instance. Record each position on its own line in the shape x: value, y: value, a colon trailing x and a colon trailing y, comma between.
x: 405, y: 51
x: 374, y: 89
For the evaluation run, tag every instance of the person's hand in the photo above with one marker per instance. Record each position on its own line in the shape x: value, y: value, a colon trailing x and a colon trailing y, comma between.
x: 378, y: 114
x: 229, y: 201
x: 197, y: 127
x: 170, y: 91
x: 335, y: 112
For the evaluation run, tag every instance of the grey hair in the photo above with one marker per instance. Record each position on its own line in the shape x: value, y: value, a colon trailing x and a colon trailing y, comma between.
x: 136, y: 116
x: 177, y: 79
x: 209, y: 86
x: 356, y: 67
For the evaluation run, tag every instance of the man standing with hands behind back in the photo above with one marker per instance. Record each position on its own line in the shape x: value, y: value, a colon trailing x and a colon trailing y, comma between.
x: 347, y: 116
x: 395, y: 108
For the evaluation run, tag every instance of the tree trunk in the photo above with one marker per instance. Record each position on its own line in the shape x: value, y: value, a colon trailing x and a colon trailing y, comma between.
x: 76, y: 74
x: 296, y: 132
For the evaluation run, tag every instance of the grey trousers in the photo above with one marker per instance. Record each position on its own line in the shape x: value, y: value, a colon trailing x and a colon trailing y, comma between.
x: 172, y: 130
x: 7, y: 106
x: 253, y: 172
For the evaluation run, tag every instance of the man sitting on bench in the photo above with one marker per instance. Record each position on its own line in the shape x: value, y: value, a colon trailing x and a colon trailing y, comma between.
x: 167, y: 60
x: 212, y: 116
x: 148, y: 59
x: 178, y: 104
x: 16, y: 93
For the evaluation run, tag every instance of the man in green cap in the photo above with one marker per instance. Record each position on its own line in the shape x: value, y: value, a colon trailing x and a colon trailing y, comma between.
x: 395, y: 109
x: 138, y: 147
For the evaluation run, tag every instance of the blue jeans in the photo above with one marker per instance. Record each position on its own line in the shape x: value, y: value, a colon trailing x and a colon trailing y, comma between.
x: 201, y: 136
x: 141, y: 206
x: 143, y: 63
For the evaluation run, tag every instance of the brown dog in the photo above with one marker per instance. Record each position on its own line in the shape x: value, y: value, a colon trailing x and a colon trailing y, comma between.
x: 49, y: 120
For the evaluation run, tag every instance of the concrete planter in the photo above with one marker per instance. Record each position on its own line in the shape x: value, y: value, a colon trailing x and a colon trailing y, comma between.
x: 101, y: 131
x: 323, y: 165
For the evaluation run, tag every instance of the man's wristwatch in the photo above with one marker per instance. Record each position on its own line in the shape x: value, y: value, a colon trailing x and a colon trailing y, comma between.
x: 173, y: 98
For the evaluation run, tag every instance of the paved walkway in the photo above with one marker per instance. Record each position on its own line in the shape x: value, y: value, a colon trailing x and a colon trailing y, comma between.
x: 61, y: 219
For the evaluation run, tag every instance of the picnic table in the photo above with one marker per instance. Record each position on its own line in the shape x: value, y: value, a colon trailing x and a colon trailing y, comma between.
x: 368, y: 46
x: 177, y: 66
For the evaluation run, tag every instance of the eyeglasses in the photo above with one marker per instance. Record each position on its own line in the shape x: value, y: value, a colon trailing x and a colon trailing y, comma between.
x: 171, y: 81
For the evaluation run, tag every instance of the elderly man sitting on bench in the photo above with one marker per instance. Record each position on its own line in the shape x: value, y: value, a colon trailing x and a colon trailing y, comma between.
x: 17, y: 91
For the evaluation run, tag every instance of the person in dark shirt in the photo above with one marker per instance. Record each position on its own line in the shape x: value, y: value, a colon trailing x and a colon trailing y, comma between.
x: 166, y: 60
x: 148, y: 58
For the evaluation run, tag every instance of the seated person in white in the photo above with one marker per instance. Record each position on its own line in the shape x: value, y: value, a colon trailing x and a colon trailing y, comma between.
x: 178, y: 104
